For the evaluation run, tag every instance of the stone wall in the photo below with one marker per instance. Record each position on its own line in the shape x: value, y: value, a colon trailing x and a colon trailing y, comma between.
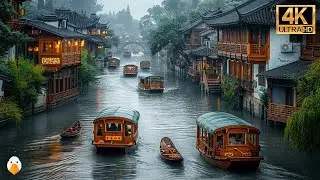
x: 253, y: 105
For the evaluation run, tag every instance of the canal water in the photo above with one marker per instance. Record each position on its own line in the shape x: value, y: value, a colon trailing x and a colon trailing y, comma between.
x: 44, y: 156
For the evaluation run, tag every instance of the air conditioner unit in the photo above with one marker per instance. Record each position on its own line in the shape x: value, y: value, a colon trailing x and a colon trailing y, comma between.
x: 287, y: 48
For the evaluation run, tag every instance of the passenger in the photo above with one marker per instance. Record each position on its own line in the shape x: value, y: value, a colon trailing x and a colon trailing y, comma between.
x: 232, y: 140
x: 99, y: 133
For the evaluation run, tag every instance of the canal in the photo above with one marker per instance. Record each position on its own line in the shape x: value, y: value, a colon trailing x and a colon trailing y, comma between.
x: 44, y: 156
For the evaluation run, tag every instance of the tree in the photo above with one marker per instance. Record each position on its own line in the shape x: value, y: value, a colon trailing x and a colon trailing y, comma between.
x: 302, y: 128
x: 89, y: 6
x: 40, y: 4
x: 10, y: 110
x: 156, y: 13
x: 8, y: 38
x: 174, y: 7
x: 27, y: 80
x: 49, y: 5
x: 230, y: 90
x: 87, y: 70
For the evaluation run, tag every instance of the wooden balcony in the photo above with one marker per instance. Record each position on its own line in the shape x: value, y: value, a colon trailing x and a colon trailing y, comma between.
x: 54, y: 98
x: 280, y: 112
x: 310, y: 53
x: 70, y: 59
x: 254, y: 52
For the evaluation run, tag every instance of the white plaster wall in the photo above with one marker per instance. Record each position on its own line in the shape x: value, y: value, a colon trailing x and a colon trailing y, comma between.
x: 228, y: 63
x: 41, y: 99
x: 257, y: 89
x: 11, y: 53
x: 1, y: 92
x: 55, y: 23
x: 277, y: 58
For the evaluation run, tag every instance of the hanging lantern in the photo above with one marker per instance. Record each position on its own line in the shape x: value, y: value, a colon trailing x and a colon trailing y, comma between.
x: 22, y: 11
x: 36, y: 49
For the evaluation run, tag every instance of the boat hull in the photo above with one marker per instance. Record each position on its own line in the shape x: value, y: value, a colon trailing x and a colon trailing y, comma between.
x: 130, y: 74
x: 180, y: 160
x: 126, y: 148
x: 151, y: 90
x: 243, y: 163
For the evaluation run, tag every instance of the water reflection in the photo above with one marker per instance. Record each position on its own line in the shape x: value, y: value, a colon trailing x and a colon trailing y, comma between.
x: 172, y: 114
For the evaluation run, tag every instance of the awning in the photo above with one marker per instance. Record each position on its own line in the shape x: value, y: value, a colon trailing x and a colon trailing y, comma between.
x: 292, y: 71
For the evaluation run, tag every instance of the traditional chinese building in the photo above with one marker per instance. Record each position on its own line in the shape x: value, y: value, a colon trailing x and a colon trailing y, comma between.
x: 248, y: 45
x: 204, y: 66
x: 58, y: 50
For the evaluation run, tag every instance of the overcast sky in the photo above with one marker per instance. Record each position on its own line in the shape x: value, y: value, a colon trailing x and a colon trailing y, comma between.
x: 138, y: 8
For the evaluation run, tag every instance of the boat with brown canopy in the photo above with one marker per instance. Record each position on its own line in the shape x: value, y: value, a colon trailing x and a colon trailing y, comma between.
x: 145, y: 64
x: 114, y: 62
x: 168, y: 151
x: 227, y: 141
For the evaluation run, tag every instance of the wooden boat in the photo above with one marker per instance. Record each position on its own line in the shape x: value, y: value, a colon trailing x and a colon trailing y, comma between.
x: 114, y: 62
x: 227, y: 141
x: 72, y: 131
x: 116, y: 128
x: 127, y: 54
x: 168, y: 151
x: 151, y: 83
x: 130, y: 70
x: 145, y: 65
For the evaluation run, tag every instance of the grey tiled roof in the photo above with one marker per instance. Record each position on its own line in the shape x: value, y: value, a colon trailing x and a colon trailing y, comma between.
x: 292, y: 71
x: 79, y: 20
x: 206, y: 32
x: 53, y: 30
x: 232, y: 17
x: 198, y: 20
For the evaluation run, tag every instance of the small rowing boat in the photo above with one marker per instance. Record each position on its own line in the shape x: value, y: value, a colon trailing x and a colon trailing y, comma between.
x: 72, y: 131
x: 168, y: 151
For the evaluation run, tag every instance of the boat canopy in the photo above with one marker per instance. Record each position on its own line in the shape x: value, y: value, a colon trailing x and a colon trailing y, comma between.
x: 122, y: 112
x: 144, y: 61
x: 130, y: 65
x: 115, y: 58
x: 148, y: 75
x: 215, y: 120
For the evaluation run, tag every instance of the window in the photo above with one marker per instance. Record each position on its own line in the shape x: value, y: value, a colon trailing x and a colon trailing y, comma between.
x: 128, y: 130
x: 51, y: 47
x: 141, y: 81
x: 252, y: 139
x: 113, y: 127
x: 262, y: 80
x: 65, y: 47
x: 236, y: 139
x: 99, y: 131
x: 155, y: 80
x: 295, y: 38
x: 219, y: 141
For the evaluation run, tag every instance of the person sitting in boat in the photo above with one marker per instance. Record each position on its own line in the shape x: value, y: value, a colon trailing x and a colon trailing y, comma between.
x: 232, y: 140
x: 99, y: 133
x: 113, y: 127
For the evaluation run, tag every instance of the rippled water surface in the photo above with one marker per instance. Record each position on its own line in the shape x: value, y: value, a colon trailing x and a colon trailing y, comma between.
x: 44, y: 156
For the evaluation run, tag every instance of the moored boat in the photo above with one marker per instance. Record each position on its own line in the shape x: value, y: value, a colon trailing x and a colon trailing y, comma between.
x: 116, y: 128
x: 145, y: 65
x: 227, y: 141
x: 130, y: 70
x: 73, y: 131
x: 114, y: 62
x: 168, y: 151
x: 151, y: 83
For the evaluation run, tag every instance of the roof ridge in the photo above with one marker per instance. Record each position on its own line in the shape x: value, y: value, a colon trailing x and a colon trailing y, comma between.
x: 258, y: 8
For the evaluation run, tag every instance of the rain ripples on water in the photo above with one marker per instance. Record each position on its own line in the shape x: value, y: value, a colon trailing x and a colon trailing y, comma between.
x: 44, y: 156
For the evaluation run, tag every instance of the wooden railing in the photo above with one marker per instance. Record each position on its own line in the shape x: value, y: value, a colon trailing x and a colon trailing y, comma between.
x: 253, y: 51
x: 280, y: 112
x: 70, y: 59
x: 53, y: 98
x: 310, y: 53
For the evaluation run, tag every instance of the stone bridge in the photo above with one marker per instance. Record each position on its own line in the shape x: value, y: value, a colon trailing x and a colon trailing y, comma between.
x: 142, y: 44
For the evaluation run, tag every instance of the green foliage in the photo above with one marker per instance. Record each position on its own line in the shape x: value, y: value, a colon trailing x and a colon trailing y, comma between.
x: 8, y: 38
x: 230, y: 91
x: 87, y: 70
x: 302, y: 128
x: 264, y: 97
x: 27, y: 79
x: 10, y: 110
